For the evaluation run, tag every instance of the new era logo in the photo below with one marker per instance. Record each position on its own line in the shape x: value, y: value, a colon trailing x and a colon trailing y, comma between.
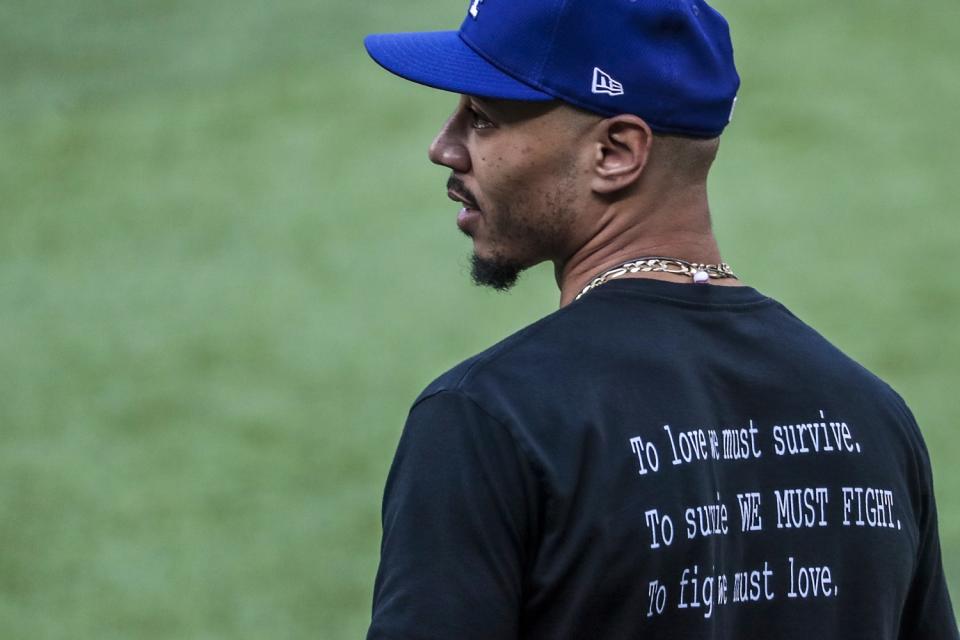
x: 603, y: 83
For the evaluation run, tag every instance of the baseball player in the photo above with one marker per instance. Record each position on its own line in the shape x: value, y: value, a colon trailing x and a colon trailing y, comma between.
x: 671, y: 454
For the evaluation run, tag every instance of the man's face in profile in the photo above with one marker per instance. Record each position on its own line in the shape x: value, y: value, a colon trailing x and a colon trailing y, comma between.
x: 515, y: 170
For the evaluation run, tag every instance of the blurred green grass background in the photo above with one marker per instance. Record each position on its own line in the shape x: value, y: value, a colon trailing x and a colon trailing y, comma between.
x: 226, y: 269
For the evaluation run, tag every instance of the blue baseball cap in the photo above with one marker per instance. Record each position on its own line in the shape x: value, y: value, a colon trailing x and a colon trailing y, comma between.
x: 669, y: 62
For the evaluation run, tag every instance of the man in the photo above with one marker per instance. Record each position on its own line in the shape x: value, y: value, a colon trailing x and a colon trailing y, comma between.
x: 671, y: 454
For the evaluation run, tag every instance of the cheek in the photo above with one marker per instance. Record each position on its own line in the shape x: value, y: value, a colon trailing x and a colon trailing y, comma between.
x: 508, y: 176
x: 517, y: 183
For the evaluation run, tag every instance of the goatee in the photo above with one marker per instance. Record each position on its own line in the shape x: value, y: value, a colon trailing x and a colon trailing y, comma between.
x: 500, y: 275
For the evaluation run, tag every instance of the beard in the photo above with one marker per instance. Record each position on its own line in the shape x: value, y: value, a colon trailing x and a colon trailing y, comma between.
x: 524, y: 230
x: 497, y: 273
x: 520, y: 241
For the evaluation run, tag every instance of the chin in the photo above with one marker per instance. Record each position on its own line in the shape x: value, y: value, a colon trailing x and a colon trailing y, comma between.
x: 496, y: 272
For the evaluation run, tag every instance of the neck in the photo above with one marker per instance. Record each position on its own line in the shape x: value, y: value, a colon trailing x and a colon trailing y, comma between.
x: 681, y: 232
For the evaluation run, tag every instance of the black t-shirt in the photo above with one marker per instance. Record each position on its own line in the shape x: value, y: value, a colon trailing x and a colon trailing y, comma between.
x: 661, y: 460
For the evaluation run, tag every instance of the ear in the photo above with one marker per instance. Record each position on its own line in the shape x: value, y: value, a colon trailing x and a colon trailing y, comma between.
x: 622, y: 147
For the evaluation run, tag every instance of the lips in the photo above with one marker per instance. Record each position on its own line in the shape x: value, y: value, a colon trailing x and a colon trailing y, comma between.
x: 468, y: 215
x: 467, y: 220
x: 462, y: 199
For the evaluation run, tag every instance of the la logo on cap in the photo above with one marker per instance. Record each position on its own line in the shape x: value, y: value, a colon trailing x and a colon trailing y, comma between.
x: 603, y: 83
x: 475, y: 8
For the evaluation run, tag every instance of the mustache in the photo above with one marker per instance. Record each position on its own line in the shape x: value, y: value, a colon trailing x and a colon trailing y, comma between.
x: 456, y: 185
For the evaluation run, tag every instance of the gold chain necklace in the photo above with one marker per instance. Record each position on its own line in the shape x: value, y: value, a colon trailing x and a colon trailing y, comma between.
x: 701, y: 273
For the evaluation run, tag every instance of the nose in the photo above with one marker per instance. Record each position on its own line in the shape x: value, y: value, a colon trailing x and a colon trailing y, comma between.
x: 448, y: 150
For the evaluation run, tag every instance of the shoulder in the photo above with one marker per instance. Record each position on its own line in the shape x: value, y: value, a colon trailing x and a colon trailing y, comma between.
x: 516, y: 353
x: 891, y: 417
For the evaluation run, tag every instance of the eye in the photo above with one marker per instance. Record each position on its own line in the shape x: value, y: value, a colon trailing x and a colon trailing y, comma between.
x: 478, y: 120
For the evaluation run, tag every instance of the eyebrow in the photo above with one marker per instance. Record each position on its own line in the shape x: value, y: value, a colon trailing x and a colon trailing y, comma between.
x: 483, y: 104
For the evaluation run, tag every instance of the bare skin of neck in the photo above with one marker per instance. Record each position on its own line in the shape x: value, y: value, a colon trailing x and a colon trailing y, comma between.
x: 668, y: 222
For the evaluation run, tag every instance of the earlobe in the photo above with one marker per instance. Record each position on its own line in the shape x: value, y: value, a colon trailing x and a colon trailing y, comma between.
x: 622, y: 150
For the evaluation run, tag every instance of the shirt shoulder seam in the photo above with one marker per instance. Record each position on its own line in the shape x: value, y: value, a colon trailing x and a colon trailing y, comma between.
x: 517, y: 441
x: 498, y: 350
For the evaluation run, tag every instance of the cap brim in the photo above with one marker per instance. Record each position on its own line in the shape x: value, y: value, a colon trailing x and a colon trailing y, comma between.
x: 442, y: 60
